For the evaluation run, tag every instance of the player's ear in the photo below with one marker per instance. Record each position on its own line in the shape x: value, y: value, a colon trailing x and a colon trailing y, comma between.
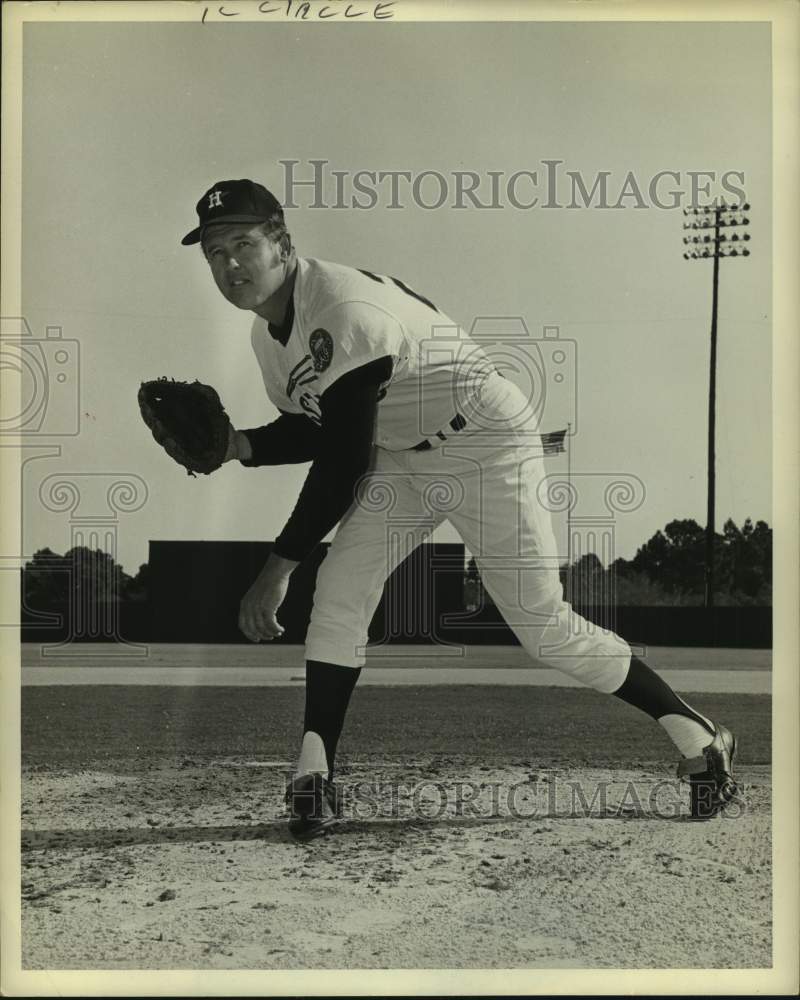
x: 285, y: 243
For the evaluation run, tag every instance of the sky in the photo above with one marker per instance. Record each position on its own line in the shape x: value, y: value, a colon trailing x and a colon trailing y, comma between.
x: 126, y: 125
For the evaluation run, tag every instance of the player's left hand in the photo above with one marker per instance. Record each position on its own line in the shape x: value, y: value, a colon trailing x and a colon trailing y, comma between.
x: 257, y: 612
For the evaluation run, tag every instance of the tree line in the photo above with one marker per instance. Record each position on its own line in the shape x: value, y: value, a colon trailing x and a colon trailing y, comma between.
x: 49, y: 579
x: 668, y: 570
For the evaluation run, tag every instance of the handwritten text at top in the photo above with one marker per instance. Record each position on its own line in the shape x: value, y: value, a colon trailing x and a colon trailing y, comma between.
x: 307, y: 10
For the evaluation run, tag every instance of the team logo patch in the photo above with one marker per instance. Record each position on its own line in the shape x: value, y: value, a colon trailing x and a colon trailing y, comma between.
x: 321, y: 346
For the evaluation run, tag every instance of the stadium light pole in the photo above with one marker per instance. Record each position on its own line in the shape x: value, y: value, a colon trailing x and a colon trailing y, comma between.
x: 701, y: 245
x: 569, y: 513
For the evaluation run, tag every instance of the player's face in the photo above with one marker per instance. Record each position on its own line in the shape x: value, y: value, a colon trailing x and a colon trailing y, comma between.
x: 246, y: 265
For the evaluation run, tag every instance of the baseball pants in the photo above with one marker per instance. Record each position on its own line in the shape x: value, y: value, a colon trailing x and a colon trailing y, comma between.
x: 484, y: 481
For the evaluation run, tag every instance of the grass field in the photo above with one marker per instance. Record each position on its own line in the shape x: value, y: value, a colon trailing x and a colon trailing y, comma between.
x: 288, y: 655
x: 130, y: 727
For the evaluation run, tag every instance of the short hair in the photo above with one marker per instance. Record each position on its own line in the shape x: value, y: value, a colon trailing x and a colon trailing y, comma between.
x: 274, y: 229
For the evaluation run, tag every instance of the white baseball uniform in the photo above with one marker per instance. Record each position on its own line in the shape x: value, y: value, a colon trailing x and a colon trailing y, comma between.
x: 454, y: 440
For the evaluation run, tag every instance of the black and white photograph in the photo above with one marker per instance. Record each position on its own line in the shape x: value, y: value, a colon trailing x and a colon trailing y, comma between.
x: 399, y: 444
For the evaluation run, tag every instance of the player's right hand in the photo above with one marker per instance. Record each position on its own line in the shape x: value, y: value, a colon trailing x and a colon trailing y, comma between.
x: 257, y: 612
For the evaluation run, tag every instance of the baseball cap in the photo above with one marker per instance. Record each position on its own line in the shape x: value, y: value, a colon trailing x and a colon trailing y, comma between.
x: 233, y: 201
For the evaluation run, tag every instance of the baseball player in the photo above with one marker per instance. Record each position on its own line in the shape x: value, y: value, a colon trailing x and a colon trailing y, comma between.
x: 406, y: 423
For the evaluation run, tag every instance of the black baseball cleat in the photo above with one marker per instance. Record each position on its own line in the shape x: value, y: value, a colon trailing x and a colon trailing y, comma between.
x: 711, y: 783
x: 313, y: 806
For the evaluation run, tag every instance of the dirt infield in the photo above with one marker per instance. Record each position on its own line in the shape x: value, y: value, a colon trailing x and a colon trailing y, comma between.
x: 477, y: 833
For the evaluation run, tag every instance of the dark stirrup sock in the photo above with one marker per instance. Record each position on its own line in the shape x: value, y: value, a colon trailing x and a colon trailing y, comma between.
x: 328, y: 690
x: 644, y: 689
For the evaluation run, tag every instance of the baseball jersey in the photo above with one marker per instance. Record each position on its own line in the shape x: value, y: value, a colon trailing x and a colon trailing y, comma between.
x: 341, y: 318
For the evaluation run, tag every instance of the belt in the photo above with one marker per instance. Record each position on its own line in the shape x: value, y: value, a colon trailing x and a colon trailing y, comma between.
x: 456, y: 424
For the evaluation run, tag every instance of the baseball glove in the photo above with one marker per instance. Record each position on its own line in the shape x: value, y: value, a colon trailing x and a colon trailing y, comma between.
x: 188, y: 421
